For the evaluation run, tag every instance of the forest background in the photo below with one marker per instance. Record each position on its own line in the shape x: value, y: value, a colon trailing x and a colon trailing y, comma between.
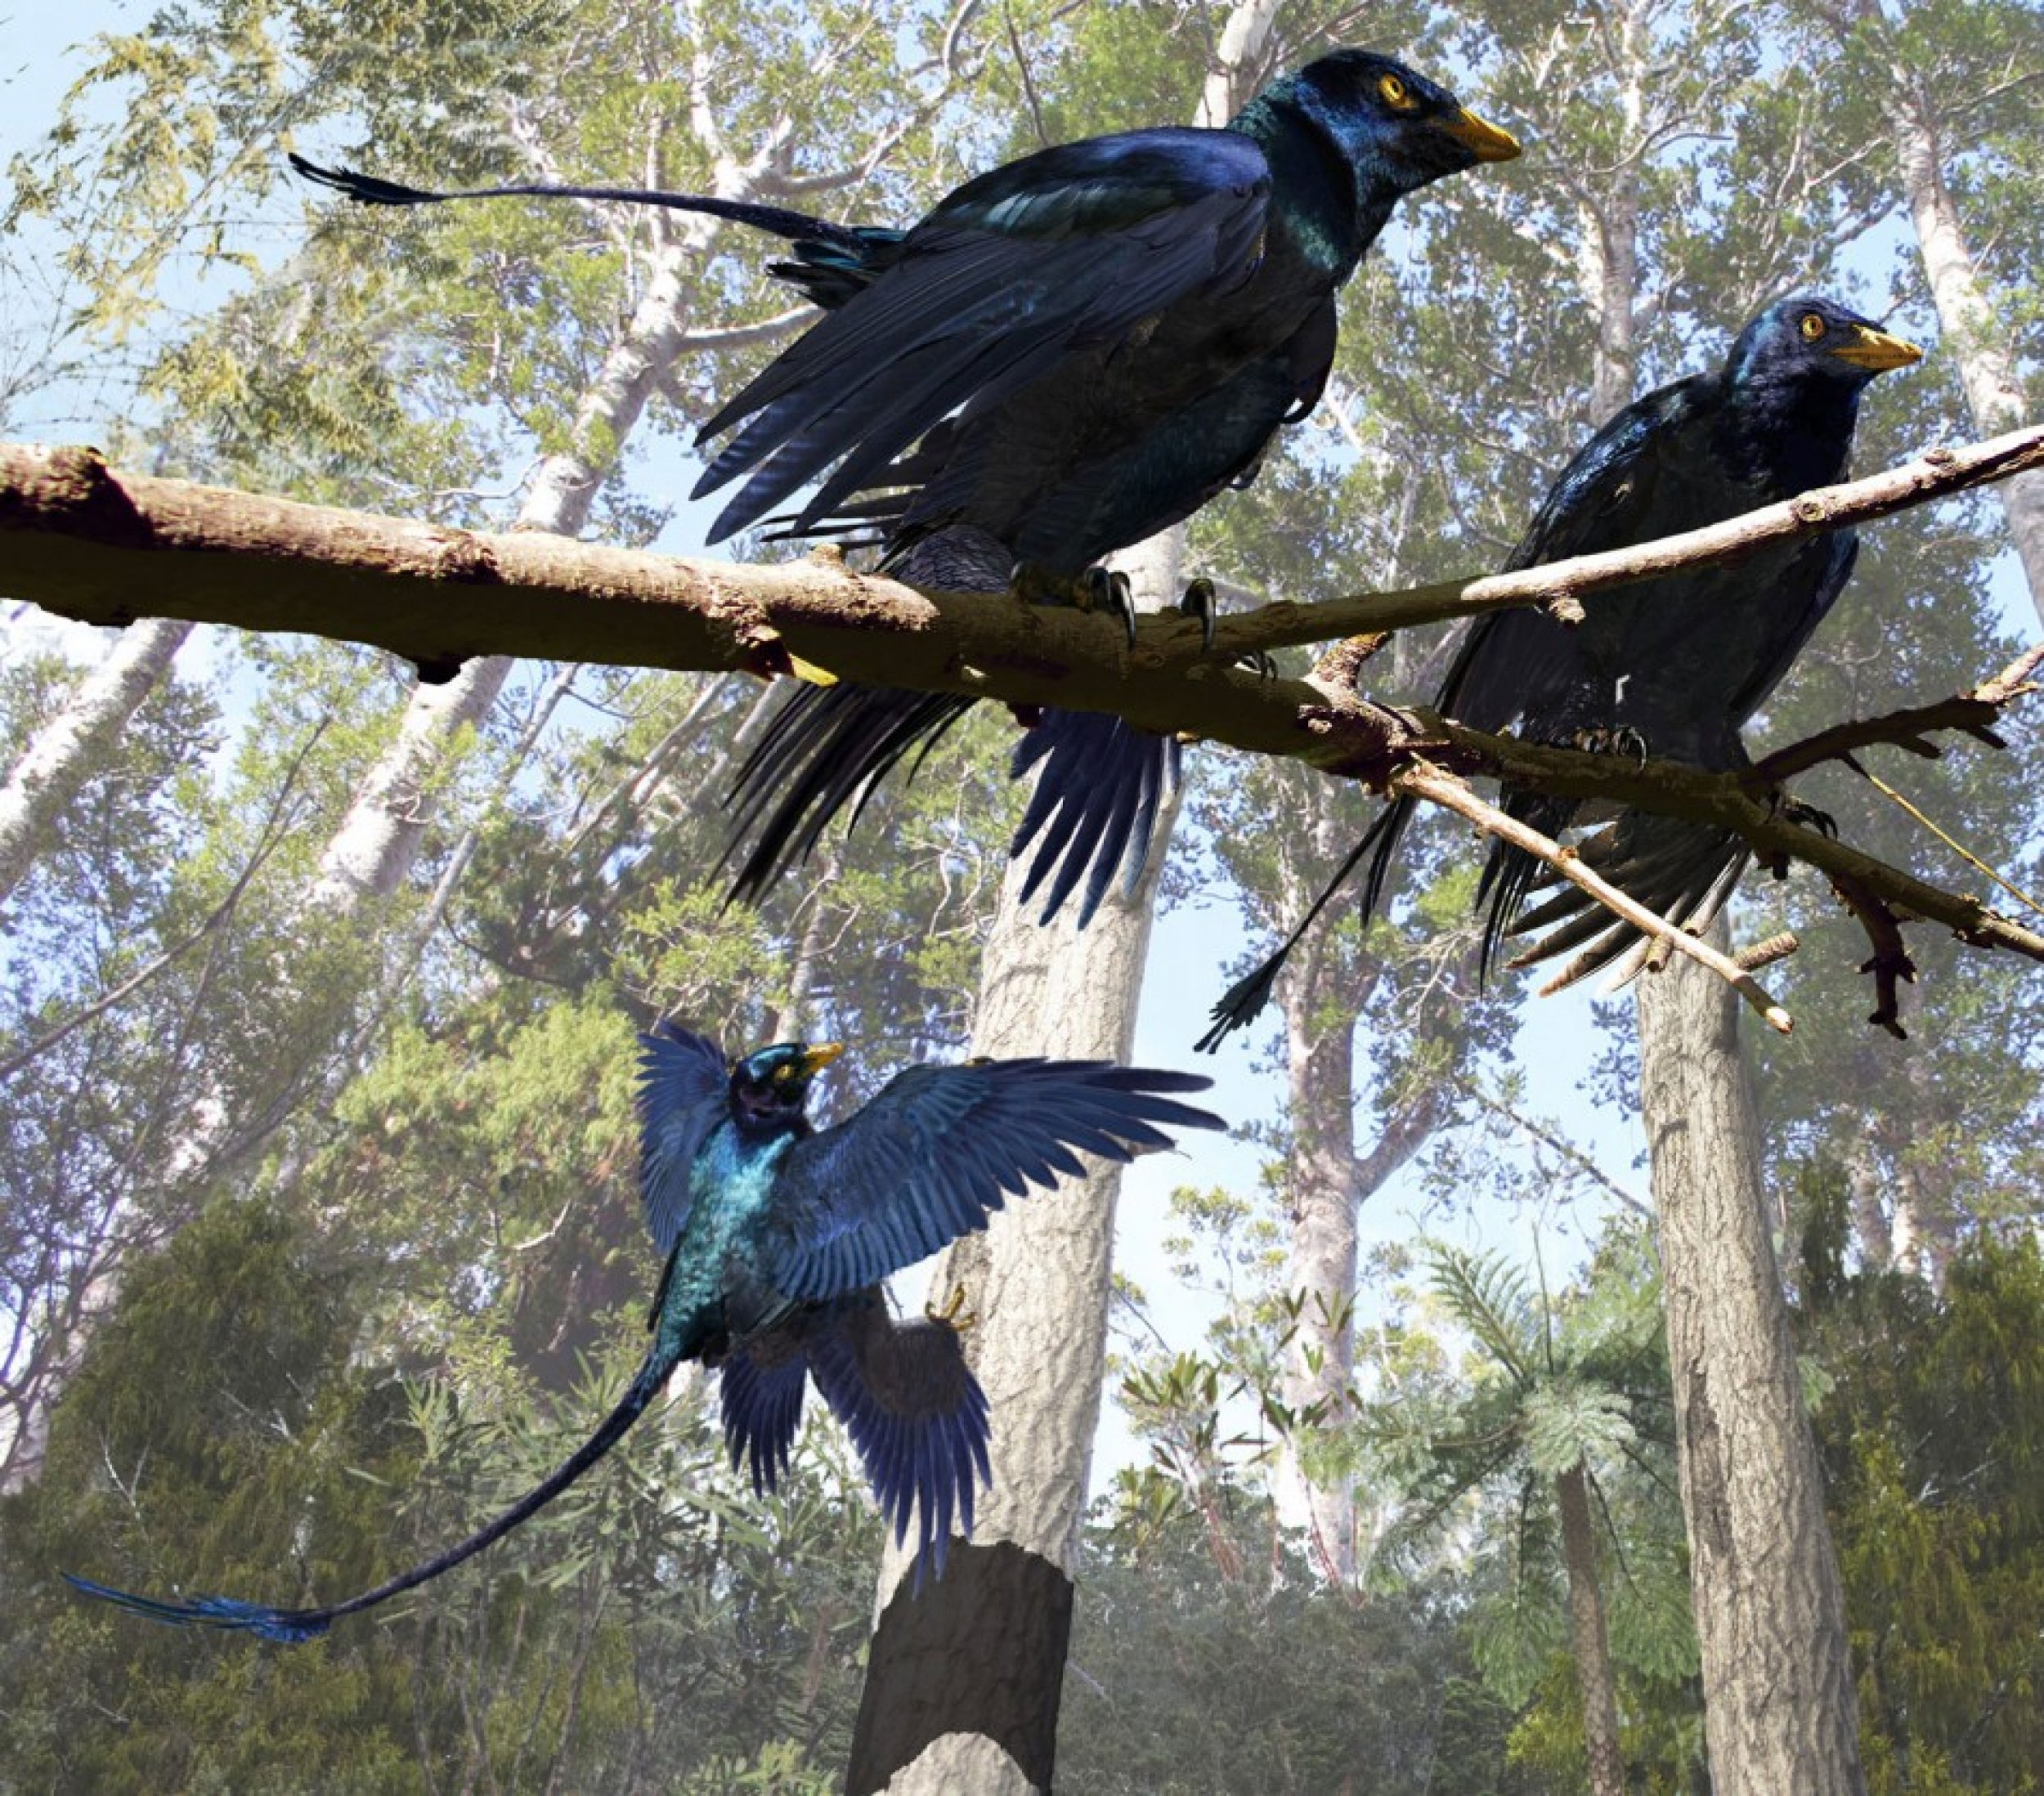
x: 317, y: 1134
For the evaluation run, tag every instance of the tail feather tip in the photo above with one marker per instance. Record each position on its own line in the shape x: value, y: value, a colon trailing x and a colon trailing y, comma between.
x: 283, y: 1626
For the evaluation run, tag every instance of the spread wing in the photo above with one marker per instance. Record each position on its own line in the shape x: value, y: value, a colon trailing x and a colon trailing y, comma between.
x: 941, y: 1147
x: 915, y: 1414
x: 761, y: 1391
x: 1068, y: 250
x: 684, y: 1079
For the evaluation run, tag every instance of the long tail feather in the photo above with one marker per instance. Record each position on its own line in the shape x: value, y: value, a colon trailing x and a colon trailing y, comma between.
x: 1095, y: 805
x: 1682, y: 871
x: 826, y: 749
x: 291, y: 1626
x: 797, y: 227
x: 1242, y: 1002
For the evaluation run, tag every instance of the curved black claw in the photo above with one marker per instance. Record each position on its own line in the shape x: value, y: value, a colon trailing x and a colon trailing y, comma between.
x: 1794, y: 810
x: 1261, y: 661
x: 1621, y: 740
x: 1107, y: 590
x: 1198, y: 601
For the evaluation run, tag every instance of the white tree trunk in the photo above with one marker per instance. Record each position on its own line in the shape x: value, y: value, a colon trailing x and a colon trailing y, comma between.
x: 1234, y: 74
x: 1780, y: 1709
x: 1319, y: 1267
x: 372, y: 851
x: 1970, y: 332
x: 963, y: 1680
x: 47, y: 774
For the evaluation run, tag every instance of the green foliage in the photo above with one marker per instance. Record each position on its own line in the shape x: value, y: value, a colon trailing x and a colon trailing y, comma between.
x: 432, y: 1283
x: 1553, y: 1384
x: 1186, y: 1677
x: 214, y: 1431
x: 1932, y: 1442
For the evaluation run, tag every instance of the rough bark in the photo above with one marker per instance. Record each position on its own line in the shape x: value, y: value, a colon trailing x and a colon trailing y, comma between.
x: 1319, y: 1000
x: 1780, y: 1710
x: 48, y: 773
x: 1970, y: 332
x: 83, y: 539
x: 1586, y: 1635
x: 963, y: 1679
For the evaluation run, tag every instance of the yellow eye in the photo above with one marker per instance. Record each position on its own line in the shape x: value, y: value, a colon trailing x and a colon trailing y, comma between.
x: 1395, y: 92
x: 1813, y: 326
x: 783, y: 1073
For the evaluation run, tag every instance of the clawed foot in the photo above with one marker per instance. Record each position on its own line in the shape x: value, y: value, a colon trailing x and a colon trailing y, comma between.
x: 954, y: 1316
x: 1107, y: 590
x: 1623, y: 739
x: 1794, y: 810
x: 1097, y: 590
x: 1199, y: 601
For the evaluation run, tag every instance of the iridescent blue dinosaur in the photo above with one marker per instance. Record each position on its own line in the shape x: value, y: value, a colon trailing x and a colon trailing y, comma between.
x: 777, y: 1236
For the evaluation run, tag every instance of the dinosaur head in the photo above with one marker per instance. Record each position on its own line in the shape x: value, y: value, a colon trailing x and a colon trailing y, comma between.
x: 770, y: 1085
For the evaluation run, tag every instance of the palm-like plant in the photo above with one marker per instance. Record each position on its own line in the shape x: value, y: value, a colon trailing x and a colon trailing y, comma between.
x: 1563, y: 1420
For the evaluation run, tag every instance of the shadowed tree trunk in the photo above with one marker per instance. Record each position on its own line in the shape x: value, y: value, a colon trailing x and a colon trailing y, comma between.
x: 1780, y: 1709
x: 963, y: 1679
x: 1771, y: 1728
x: 48, y: 773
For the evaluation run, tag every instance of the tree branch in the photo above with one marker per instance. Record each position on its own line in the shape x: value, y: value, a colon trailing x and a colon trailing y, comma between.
x: 1973, y: 712
x: 1423, y: 781
x: 90, y: 543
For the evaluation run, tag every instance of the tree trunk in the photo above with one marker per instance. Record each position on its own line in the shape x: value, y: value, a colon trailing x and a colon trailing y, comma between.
x: 46, y: 776
x: 1969, y: 331
x: 43, y: 781
x: 1587, y: 1636
x: 963, y: 1679
x: 1780, y: 1709
x: 372, y: 851
x: 1319, y: 1271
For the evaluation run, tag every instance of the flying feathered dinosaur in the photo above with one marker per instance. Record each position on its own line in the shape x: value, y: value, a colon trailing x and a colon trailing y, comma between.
x: 777, y: 1236
x: 1066, y: 355
x: 1674, y: 664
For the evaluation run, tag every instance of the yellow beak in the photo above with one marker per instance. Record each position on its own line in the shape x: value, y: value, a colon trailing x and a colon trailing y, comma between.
x: 1877, y: 351
x: 1484, y: 140
x: 816, y: 1058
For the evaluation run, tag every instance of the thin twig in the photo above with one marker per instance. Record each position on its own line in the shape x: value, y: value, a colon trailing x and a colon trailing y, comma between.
x: 1945, y: 836
x: 271, y: 837
x: 1424, y: 780
x: 1909, y: 727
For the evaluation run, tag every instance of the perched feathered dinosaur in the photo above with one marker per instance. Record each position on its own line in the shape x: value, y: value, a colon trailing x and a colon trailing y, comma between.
x: 777, y: 1236
x: 1067, y: 354
x: 1674, y: 664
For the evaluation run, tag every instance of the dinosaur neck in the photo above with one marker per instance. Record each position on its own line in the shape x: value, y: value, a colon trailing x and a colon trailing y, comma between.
x: 1327, y: 200
x: 1795, y: 433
